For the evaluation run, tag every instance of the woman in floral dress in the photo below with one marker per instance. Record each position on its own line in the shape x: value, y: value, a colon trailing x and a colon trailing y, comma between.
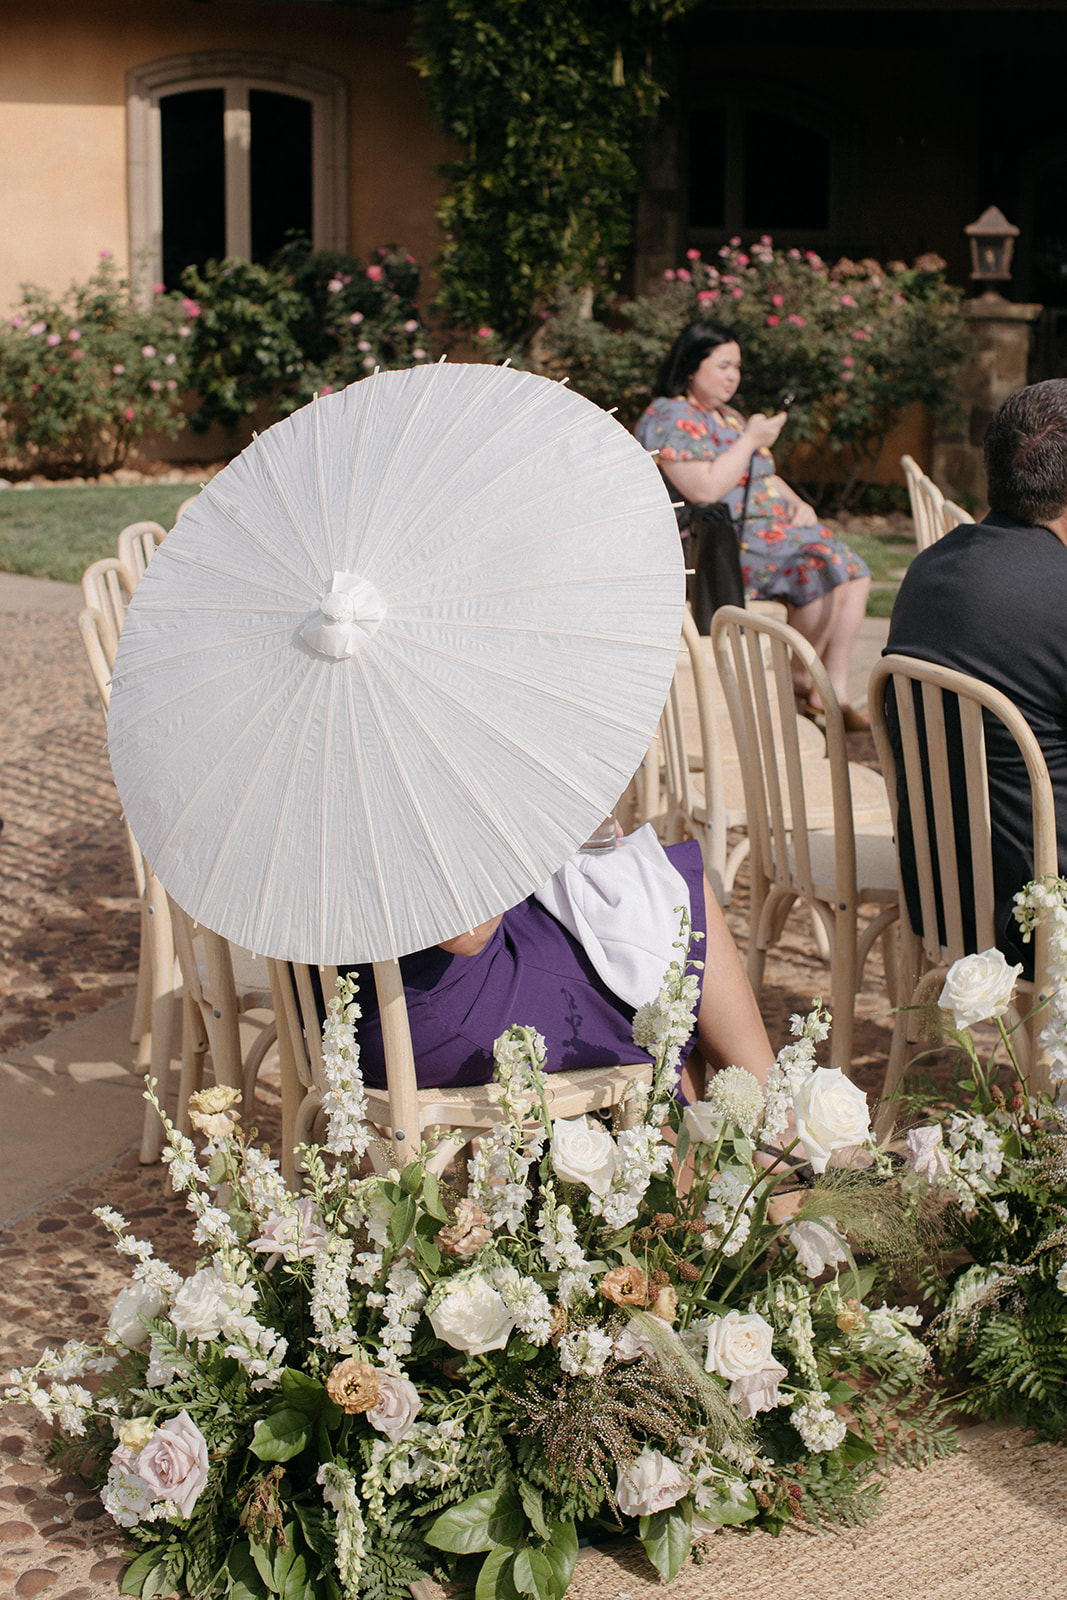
x: 709, y: 452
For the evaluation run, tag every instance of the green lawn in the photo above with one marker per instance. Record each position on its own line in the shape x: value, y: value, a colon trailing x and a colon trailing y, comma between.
x: 886, y: 556
x: 56, y: 533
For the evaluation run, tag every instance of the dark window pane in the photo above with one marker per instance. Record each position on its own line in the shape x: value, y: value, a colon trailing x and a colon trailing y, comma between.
x: 707, y: 170
x: 194, y: 181
x: 1049, y: 276
x: 787, y: 174
x: 281, y: 169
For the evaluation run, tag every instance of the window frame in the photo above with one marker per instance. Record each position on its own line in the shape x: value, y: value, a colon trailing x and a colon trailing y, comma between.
x: 235, y: 72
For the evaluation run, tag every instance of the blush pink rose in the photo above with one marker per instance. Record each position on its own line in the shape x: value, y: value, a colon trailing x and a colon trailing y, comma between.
x: 398, y: 1406
x: 374, y: 273
x: 650, y: 1484
x: 174, y: 1463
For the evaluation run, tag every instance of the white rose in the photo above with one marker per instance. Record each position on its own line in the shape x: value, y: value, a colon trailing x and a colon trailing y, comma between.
x: 817, y: 1245
x: 758, y: 1391
x: 398, y: 1406
x: 978, y: 988
x: 650, y: 1484
x: 831, y: 1114
x: 137, y: 1300
x: 583, y: 1152
x: 926, y: 1153
x: 472, y: 1316
x: 199, y: 1306
x: 739, y: 1343
x: 703, y: 1125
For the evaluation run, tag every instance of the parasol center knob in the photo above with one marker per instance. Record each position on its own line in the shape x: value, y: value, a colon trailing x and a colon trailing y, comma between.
x: 347, y: 615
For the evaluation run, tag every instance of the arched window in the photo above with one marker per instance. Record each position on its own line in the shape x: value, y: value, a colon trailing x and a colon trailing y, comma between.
x: 230, y: 151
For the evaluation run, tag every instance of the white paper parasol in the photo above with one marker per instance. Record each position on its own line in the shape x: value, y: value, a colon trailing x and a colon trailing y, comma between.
x: 396, y: 661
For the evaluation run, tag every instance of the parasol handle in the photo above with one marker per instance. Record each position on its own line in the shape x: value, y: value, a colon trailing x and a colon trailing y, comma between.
x: 405, y: 1123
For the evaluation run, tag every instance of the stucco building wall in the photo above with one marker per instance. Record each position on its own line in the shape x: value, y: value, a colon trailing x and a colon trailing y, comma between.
x: 63, y: 150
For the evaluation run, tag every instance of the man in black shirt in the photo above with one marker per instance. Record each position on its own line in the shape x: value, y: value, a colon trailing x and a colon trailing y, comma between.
x: 990, y: 599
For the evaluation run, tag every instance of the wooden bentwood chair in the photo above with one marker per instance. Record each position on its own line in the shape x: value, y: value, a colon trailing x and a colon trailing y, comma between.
x: 942, y: 837
x: 402, y: 1115
x: 834, y: 864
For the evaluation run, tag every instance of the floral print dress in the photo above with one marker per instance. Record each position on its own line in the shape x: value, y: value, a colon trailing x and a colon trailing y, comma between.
x: 778, y: 561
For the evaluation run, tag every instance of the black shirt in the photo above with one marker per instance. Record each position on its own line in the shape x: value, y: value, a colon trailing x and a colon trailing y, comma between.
x: 990, y: 599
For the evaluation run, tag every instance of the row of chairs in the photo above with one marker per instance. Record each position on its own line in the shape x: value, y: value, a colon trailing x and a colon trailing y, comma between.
x: 932, y: 514
x: 818, y: 829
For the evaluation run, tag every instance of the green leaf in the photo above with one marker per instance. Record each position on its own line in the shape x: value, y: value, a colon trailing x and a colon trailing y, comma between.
x: 561, y: 1553
x: 285, y: 1556
x: 302, y: 1392
x: 411, y: 1177
x: 281, y: 1436
x: 431, y: 1198
x: 463, y: 1529
x: 495, y: 1580
x: 243, y: 1574
x: 682, y: 1143
x: 726, y: 1514
x: 534, y: 1508
x: 507, y: 1523
x: 137, y: 1575
x: 838, y: 1392
x: 425, y: 1247
x: 296, y: 1585
x: 667, y: 1537
x: 532, y: 1573
x: 401, y: 1222
x: 854, y: 1449
x: 264, y: 1565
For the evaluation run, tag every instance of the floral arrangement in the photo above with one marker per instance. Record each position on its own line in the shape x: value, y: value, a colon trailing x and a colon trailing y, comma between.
x: 394, y: 1376
x: 1001, y: 1166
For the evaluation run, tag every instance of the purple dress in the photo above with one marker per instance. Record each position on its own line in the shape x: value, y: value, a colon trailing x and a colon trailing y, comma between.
x: 531, y: 973
x: 778, y: 561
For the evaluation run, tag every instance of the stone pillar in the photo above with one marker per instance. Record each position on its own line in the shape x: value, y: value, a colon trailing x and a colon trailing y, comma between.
x: 996, y: 367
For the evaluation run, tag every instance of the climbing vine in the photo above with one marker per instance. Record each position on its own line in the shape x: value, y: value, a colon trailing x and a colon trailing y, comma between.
x: 549, y: 101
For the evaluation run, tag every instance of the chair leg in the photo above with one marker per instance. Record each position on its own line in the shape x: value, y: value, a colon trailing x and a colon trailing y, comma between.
x: 194, y: 1049
x: 163, y: 995
x: 842, y: 989
x: 885, y: 1117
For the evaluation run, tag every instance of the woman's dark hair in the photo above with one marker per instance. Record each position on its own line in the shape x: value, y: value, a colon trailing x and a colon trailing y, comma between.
x: 1026, y: 454
x: 686, y: 354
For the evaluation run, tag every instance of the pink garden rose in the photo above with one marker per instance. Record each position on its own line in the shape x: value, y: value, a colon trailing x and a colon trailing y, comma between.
x: 374, y: 273
x: 174, y: 1462
x: 398, y: 1406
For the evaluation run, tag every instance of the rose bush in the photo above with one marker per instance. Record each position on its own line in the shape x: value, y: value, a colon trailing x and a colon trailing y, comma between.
x: 978, y: 988
x: 831, y: 1114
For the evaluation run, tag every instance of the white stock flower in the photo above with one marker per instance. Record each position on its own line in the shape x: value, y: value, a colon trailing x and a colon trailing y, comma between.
x: 135, y: 1302
x: 925, y: 1152
x: 583, y: 1152
x: 978, y: 988
x: 739, y: 1343
x: 818, y: 1426
x: 818, y: 1245
x: 472, y: 1316
x: 585, y: 1352
x: 831, y: 1114
x: 651, y: 1483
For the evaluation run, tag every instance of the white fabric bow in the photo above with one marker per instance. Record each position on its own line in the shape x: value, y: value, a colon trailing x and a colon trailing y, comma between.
x: 622, y: 906
x: 348, y: 614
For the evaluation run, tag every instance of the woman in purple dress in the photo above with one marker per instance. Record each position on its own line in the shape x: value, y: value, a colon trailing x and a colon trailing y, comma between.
x: 525, y: 968
x: 709, y: 452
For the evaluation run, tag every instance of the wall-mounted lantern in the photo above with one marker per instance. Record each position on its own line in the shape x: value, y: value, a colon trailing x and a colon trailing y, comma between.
x: 992, y: 241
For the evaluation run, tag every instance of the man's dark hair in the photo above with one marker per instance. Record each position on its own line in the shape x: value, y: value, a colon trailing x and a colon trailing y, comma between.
x: 686, y: 354
x: 1026, y: 454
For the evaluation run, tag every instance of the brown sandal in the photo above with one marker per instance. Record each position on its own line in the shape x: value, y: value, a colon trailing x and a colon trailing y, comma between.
x: 855, y: 721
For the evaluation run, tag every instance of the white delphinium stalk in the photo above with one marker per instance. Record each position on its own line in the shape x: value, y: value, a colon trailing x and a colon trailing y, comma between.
x: 663, y: 1026
x: 60, y: 1400
x: 499, y: 1170
x: 888, y: 1328
x: 727, y: 1214
x: 403, y: 1303
x: 340, y: 1494
x: 330, y: 1295
x: 527, y: 1302
x: 429, y: 1452
x: 148, y: 1269
x: 557, y: 1232
x: 818, y: 1426
x: 586, y: 1351
x: 792, y: 1065
x: 345, y: 1100
x: 263, y: 1184
x: 786, y: 1302
x: 1045, y: 900
x: 574, y: 1286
